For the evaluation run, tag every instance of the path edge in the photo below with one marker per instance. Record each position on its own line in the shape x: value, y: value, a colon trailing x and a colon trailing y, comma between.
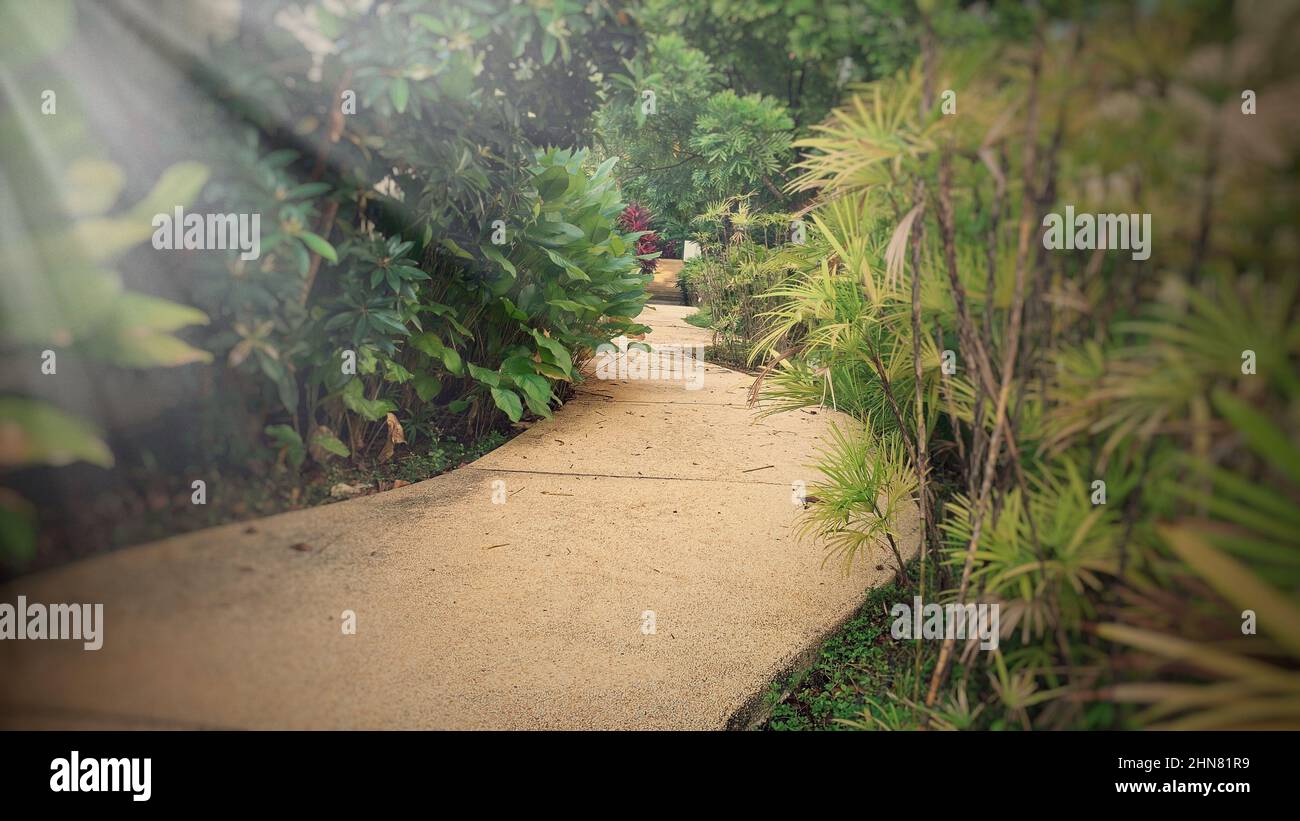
x: 755, y: 710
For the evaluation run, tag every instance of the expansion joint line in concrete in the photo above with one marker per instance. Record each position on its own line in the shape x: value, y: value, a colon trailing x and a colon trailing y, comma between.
x: 622, y: 476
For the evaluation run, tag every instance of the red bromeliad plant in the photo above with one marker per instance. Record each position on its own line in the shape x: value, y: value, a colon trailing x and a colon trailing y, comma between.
x: 637, y: 218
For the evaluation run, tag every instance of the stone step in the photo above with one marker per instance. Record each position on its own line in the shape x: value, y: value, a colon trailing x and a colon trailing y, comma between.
x: 664, y: 289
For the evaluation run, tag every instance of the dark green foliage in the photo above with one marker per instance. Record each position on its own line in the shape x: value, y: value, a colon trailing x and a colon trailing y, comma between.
x: 697, y: 143
x: 381, y: 146
x: 860, y: 662
x: 793, y: 51
x: 424, y: 238
x: 742, y: 257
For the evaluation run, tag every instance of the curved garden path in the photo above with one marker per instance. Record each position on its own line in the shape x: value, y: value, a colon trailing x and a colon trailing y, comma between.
x: 638, y: 496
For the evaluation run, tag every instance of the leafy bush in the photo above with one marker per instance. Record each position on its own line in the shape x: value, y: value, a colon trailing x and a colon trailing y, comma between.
x: 636, y: 219
x: 429, y: 268
x: 741, y: 259
x: 699, y: 144
x: 1075, y: 374
x: 804, y: 54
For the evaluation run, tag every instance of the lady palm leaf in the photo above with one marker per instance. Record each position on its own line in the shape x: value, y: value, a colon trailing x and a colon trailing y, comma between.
x: 860, y: 504
x: 1157, y: 385
x: 866, y: 143
x: 1248, y: 556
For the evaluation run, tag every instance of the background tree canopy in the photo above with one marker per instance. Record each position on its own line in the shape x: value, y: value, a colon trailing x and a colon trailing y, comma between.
x: 693, y: 141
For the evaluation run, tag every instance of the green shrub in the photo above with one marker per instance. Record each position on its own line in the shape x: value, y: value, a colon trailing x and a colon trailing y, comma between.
x: 702, y: 141
x: 427, y: 267
x: 743, y: 256
x: 1101, y: 459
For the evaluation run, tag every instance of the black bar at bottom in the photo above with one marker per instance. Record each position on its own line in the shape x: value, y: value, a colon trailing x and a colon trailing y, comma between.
x: 329, y: 770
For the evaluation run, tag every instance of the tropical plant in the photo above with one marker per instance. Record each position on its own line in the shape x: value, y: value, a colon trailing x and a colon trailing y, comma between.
x: 803, y: 54
x: 1095, y: 442
x: 742, y: 256
x: 448, y: 272
x: 637, y: 220
x: 66, y: 234
x: 683, y: 141
x: 430, y: 267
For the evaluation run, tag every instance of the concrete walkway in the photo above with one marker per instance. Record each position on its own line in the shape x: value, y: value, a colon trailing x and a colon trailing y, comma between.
x: 639, y: 501
x: 664, y: 289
